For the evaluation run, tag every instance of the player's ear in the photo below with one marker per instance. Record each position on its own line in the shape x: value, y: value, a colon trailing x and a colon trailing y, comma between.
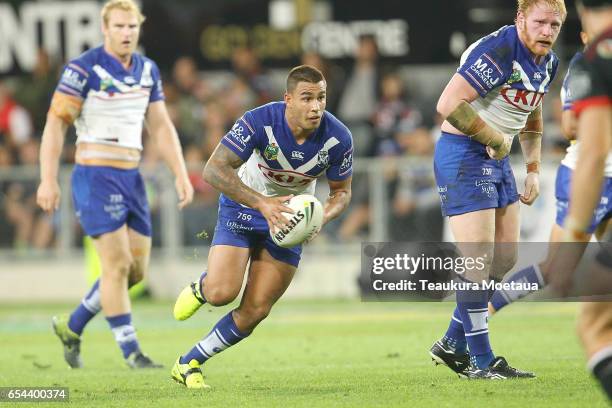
x: 584, y: 37
x: 287, y: 97
x: 520, y: 19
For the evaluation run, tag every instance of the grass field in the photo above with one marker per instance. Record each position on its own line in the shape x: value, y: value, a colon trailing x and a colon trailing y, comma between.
x: 311, y: 354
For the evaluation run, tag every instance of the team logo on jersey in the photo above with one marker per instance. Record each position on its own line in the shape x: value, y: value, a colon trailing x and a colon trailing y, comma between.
x: 323, y: 158
x: 296, y: 154
x: 514, y: 77
x: 271, y: 151
x: 106, y: 83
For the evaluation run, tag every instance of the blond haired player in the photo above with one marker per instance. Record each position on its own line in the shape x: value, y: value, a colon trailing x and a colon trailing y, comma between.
x: 495, y: 95
x: 107, y: 93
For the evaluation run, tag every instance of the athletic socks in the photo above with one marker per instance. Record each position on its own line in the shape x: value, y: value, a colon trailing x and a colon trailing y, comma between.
x: 86, y: 310
x: 124, y: 332
x: 121, y: 325
x: 472, y: 307
x: 225, y: 334
x: 202, y: 285
x: 455, y: 336
x: 530, y: 274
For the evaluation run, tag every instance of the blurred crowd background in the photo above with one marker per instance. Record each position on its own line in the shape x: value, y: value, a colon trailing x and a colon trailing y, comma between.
x: 388, y: 106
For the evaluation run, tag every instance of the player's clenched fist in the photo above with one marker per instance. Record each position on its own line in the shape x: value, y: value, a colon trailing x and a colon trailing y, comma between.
x: 272, y: 208
x: 502, y: 150
x: 48, y: 195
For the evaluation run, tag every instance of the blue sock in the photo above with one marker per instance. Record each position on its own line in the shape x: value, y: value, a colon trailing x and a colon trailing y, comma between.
x: 202, y: 285
x: 472, y: 306
x: 455, y: 336
x: 89, y: 307
x: 530, y: 274
x: 491, y: 291
x: 125, y: 334
x: 225, y: 334
x: 86, y: 310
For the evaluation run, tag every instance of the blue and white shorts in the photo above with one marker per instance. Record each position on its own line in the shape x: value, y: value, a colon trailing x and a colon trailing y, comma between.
x: 247, y: 228
x: 603, y: 211
x: 105, y: 198
x: 468, y: 179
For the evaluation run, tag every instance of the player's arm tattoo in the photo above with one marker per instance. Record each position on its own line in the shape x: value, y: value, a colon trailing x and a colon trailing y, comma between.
x: 531, y: 140
x: 467, y: 120
x: 220, y: 172
x: 338, y: 200
x: 66, y: 107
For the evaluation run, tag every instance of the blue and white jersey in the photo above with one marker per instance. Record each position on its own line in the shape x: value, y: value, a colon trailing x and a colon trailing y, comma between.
x: 115, y: 99
x: 275, y: 164
x: 510, y: 84
x: 571, y: 157
x: 566, y: 94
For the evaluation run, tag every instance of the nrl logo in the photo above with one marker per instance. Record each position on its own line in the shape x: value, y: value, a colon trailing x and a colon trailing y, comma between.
x: 514, y: 77
x: 323, y: 158
x: 271, y: 152
x: 105, y: 84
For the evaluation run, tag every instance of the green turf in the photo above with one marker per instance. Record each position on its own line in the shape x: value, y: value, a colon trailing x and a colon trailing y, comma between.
x: 311, y: 354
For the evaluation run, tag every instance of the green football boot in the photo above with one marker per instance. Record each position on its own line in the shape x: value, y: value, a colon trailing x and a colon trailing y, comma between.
x: 190, y: 375
x: 70, y: 340
x: 188, y: 301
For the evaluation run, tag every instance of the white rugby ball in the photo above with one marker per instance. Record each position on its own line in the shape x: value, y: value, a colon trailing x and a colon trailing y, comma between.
x: 303, y: 224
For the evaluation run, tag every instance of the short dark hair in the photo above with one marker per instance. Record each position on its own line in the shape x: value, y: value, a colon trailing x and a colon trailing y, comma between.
x: 303, y: 73
x: 595, y: 3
